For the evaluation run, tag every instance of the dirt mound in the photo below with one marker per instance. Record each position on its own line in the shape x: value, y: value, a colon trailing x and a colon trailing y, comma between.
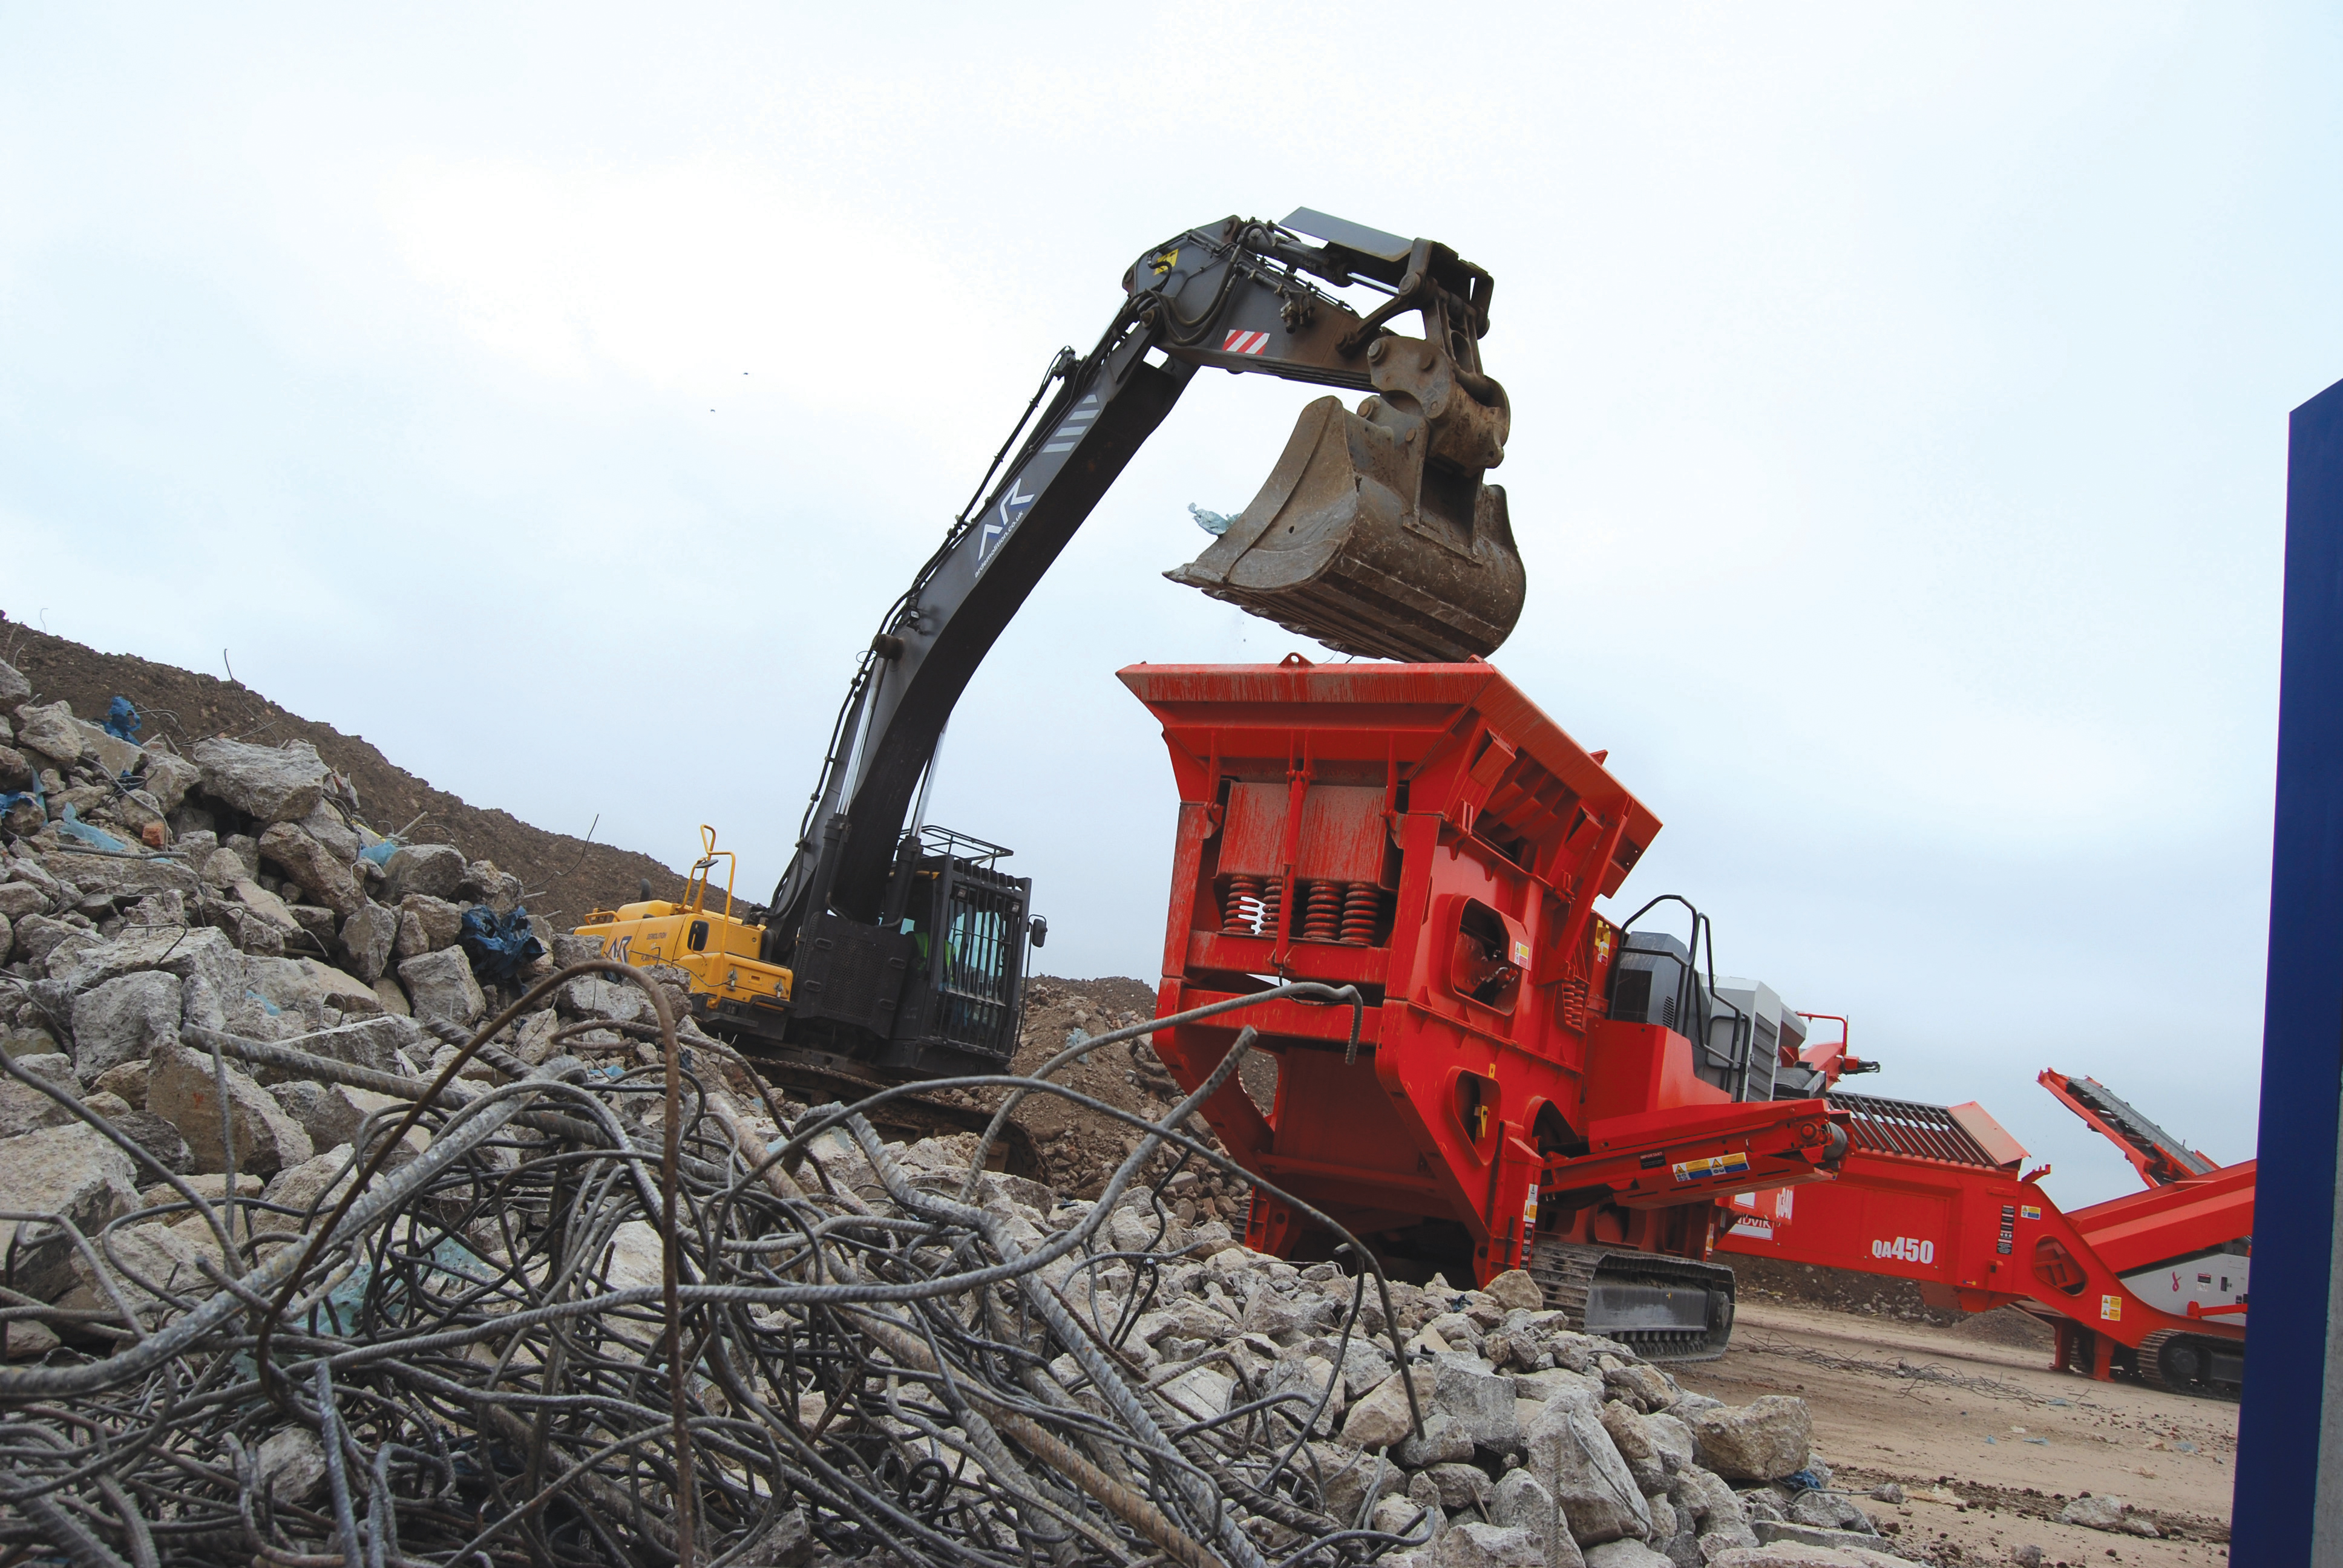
x: 1877, y: 1296
x: 564, y: 876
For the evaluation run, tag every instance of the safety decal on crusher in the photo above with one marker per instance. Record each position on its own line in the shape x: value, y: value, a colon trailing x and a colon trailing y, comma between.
x: 2029, y: 1211
x: 1734, y: 1164
x: 2111, y: 1308
x: 1243, y: 342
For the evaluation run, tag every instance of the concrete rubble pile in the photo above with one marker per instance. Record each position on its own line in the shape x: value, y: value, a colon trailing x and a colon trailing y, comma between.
x: 321, y: 1247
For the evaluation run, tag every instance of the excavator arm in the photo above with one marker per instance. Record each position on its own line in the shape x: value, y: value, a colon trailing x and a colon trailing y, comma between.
x: 1374, y: 534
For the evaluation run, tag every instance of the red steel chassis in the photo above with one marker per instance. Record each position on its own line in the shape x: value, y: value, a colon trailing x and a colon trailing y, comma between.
x: 1934, y: 1195
x: 1425, y: 833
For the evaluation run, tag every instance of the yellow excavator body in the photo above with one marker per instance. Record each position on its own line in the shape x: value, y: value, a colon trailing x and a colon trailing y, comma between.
x: 729, y: 981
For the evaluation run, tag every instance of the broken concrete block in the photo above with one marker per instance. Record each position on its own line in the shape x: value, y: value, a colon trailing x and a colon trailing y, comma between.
x: 426, y: 924
x: 169, y: 777
x: 325, y: 824
x: 437, y: 869
x: 275, y: 784
x: 366, y: 936
x: 1481, y: 1401
x: 1764, y: 1439
x: 440, y: 986
x: 1382, y: 1418
x: 23, y: 1108
x: 49, y: 730
x: 1473, y: 1545
x: 182, y: 1090
x: 122, y: 1022
x: 1574, y: 1459
x: 74, y: 1171
x: 327, y: 880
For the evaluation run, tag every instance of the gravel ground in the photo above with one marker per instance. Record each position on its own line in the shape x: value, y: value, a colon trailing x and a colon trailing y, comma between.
x: 1987, y: 1442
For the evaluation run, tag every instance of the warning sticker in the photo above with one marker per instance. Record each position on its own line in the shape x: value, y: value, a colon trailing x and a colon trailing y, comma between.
x: 2029, y: 1211
x: 2111, y: 1308
x: 1734, y: 1164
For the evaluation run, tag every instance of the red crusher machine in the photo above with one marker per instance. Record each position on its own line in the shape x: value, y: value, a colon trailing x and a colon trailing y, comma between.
x: 1535, y: 1087
x: 2151, y: 1285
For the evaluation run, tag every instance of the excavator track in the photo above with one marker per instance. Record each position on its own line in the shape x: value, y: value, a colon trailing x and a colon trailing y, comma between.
x: 906, y: 1116
x: 2194, y: 1364
x: 1664, y: 1308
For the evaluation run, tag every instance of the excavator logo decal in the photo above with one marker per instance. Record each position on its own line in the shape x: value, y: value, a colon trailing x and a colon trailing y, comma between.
x: 1012, y: 512
x: 1243, y: 342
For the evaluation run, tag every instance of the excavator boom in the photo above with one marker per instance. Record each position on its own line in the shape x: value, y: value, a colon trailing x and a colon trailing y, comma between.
x: 1374, y: 535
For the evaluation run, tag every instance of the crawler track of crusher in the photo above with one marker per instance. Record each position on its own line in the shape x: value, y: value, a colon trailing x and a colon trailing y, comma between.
x: 1665, y: 1309
x: 2192, y: 1363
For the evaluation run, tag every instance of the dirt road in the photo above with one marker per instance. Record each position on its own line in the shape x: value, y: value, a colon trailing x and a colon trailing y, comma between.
x: 1986, y: 1443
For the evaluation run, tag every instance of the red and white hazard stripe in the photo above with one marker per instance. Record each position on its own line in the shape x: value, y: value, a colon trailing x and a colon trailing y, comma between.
x: 1245, y: 342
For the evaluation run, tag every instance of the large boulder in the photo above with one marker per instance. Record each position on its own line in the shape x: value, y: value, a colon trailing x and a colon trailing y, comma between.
x: 74, y: 1171
x: 1574, y: 1458
x: 440, y: 986
x: 274, y: 784
x: 327, y: 879
x: 1764, y: 1439
x: 182, y: 1089
x: 437, y: 869
x: 123, y: 1021
x: 14, y: 686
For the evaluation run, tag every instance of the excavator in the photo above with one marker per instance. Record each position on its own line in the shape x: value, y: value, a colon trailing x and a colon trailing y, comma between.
x: 895, y: 948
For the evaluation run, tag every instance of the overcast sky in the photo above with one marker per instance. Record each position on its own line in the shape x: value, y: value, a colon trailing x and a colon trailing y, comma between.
x: 557, y: 397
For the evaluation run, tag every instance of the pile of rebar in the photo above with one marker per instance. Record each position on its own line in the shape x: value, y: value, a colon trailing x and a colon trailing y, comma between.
x: 470, y: 1354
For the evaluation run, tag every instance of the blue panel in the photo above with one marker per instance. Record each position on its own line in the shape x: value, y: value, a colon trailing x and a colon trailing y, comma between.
x: 2302, y: 1025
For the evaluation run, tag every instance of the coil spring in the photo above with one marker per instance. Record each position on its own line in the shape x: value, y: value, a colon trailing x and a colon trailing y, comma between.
x: 1240, y: 915
x: 1321, y: 912
x: 1273, y: 896
x: 1362, y: 910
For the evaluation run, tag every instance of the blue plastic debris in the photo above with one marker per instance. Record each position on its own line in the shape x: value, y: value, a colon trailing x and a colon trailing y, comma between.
x: 121, y: 721
x: 1211, y: 522
x: 1803, y: 1481
x: 72, y: 827
x: 499, y: 946
x: 379, y: 854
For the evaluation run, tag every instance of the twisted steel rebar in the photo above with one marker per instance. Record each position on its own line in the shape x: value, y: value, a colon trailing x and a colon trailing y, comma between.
x: 471, y: 1354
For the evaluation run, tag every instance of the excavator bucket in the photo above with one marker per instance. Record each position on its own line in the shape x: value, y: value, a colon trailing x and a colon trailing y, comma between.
x: 1367, y: 539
